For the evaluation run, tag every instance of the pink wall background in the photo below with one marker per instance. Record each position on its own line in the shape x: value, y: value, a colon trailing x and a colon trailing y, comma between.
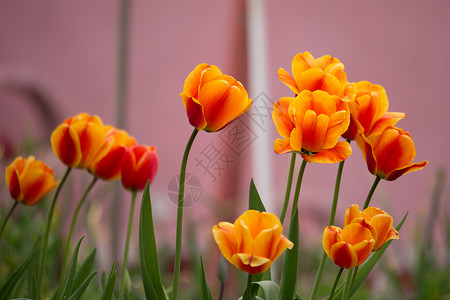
x: 68, y: 50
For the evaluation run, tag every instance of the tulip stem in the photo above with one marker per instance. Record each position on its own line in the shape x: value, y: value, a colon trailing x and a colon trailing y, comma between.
x: 222, y: 286
x: 127, y: 245
x: 330, y: 222
x: 338, y: 276
x: 369, y: 196
x: 72, y: 228
x: 248, y: 292
x: 348, y: 282
x: 298, y: 186
x: 288, y: 187
x: 353, y: 281
x: 47, y: 230
x: 6, y: 219
x: 176, y: 273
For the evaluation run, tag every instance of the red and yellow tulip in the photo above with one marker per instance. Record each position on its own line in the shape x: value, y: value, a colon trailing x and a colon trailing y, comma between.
x: 369, y: 110
x: 325, y: 73
x: 311, y: 124
x: 212, y: 100
x: 108, y: 163
x: 139, y: 165
x: 376, y: 220
x: 348, y: 247
x: 253, y: 242
x: 389, y: 154
x: 78, y: 140
x: 29, y: 180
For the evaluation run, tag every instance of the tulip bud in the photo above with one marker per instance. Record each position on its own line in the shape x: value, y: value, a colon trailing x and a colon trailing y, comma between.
x: 139, y: 165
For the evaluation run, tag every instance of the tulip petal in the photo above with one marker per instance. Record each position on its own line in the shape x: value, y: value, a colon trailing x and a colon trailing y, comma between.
x: 192, y: 82
x: 282, y: 146
x: 66, y: 145
x: 296, y: 139
x: 194, y: 111
x: 253, y: 260
x: 385, y: 121
x: 331, y: 236
x: 13, y: 182
x: 280, y: 116
x: 404, y: 170
x: 363, y: 250
x: 286, y: 78
x: 351, y: 213
x: 331, y: 85
x: 338, y: 153
x: 225, y: 239
x: 343, y: 255
x: 367, y: 151
x: 309, y: 80
x: 354, y: 233
x: 302, y: 62
x: 382, y: 224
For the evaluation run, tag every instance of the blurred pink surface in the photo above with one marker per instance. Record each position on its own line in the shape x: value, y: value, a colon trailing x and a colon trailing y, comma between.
x: 70, y: 49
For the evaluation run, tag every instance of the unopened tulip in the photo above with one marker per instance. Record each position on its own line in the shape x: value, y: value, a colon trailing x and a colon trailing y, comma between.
x: 253, y: 242
x: 325, y: 73
x: 348, y: 247
x: 212, y: 100
x: 369, y: 111
x: 138, y: 166
x: 78, y: 140
x: 108, y: 163
x: 311, y: 125
x: 377, y: 221
x: 29, y: 180
x: 389, y: 154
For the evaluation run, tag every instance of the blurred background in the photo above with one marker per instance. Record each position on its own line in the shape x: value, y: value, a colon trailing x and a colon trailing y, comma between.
x: 127, y: 64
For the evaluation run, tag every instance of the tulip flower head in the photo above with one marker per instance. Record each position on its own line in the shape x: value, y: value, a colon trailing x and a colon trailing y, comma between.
x: 253, y: 242
x: 348, y: 247
x: 376, y: 220
x: 325, y: 73
x: 139, y: 165
x: 369, y: 111
x: 311, y: 124
x: 108, y: 163
x: 29, y: 180
x: 389, y: 154
x: 213, y: 100
x: 78, y: 140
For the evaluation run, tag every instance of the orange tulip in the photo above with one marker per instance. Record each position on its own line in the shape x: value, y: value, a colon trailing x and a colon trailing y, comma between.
x: 253, y: 242
x: 376, y: 220
x: 369, y: 110
x: 348, y: 247
x: 325, y: 73
x: 389, y: 154
x: 138, y: 166
x: 29, y: 180
x: 212, y: 100
x: 311, y: 124
x: 108, y: 162
x: 78, y: 140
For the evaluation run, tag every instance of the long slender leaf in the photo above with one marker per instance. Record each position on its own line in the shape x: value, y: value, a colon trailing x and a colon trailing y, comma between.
x: 110, y: 283
x: 68, y: 284
x: 84, y: 270
x: 365, y: 268
x: 151, y: 276
x: 254, y: 200
x: 205, y: 293
x: 270, y: 289
x: 34, y: 290
x: 290, y: 264
x: 11, y: 282
x: 79, y: 291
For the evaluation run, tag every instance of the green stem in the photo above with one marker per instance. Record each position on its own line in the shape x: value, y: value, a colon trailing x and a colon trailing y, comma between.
x: 338, y: 276
x: 288, y: 187
x: 176, y: 273
x: 248, y: 295
x: 72, y: 228
x: 127, y: 245
x: 298, y: 186
x: 47, y: 230
x: 352, y: 282
x: 331, y: 222
x: 346, y: 292
x: 7, y: 217
x: 369, y: 196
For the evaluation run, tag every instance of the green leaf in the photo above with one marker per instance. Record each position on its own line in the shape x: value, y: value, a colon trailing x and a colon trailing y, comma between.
x: 151, y: 276
x: 270, y: 289
x: 11, y: 282
x: 68, y: 284
x: 34, y: 290
x: 85, y: 269
x: 77, y: 294
x: 254, y: 200
x: 204, y: 292
x: 110, y: 283
x: 366, y: 267
x: 290, y: 263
